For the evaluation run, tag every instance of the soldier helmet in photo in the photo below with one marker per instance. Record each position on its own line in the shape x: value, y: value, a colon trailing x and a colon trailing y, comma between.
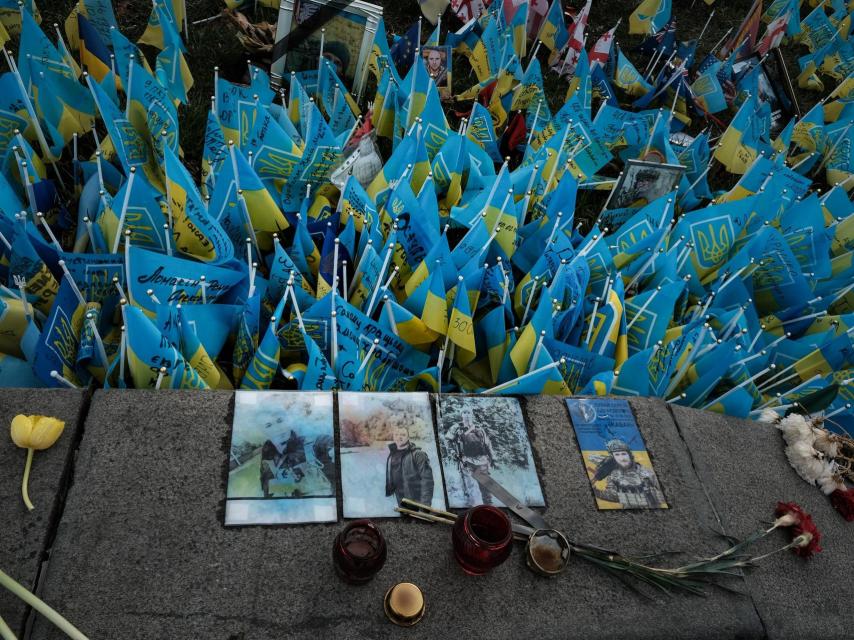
x: 617, y: 445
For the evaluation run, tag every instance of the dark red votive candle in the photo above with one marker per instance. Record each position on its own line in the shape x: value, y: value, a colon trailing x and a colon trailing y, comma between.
x: 483, y: 539
x: 359, y: 551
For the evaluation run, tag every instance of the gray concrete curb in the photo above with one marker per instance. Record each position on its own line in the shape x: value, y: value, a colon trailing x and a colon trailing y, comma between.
x: 141, y: 551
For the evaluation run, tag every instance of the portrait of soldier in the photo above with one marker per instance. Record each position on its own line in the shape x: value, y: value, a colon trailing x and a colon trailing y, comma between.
x: 408, y: 470
x: 279, y: 461
x: 435, y: 60
x: 471, y: 447
x: 338, y: 54
x: 640, y: 188
x: 629, y: 483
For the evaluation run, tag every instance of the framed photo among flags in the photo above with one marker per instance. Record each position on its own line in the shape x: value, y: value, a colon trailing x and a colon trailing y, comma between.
x: 774, y: 86
x: 643, y: 181
x: 344, y: 30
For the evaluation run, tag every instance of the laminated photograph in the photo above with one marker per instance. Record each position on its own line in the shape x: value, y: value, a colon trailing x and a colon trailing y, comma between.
x: 388, y: 452
x: 615, y: 456
x: 437, y: 60
x: 349, y: 27
x: 487, y: 435
x: 643, y: 181
x: 282, y: 464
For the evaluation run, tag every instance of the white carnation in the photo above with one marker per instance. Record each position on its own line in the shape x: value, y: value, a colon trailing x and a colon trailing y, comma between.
x: 796, y: 429
x: 825, y: 443
x: 770, y: 416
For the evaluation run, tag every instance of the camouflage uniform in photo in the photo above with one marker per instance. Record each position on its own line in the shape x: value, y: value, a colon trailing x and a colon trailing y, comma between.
x: 473, y: 452
x: 635, y: 487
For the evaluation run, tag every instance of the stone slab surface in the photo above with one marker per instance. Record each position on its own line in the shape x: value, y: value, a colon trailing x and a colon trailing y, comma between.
x: 24, y: 535
x: 744, y: 468
x: 142, y: 552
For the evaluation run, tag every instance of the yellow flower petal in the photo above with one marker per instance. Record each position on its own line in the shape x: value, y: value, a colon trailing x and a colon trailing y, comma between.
x: 22, y: 429
x: 46, y: 431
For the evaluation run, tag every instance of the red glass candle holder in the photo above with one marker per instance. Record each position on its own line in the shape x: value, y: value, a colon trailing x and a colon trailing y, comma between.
x: 482, y: 538
x: 359, y: 551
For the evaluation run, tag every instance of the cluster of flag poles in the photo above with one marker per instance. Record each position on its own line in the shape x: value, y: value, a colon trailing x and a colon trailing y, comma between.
x: 303, y: 259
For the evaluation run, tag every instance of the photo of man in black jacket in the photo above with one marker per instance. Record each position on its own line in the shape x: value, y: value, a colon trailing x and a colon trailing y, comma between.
x: 408, y: 471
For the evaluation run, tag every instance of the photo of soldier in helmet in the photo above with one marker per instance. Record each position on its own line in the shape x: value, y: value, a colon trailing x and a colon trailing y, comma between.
x: 615, y: 456
x: 473, y: 451
x: 629, y: 483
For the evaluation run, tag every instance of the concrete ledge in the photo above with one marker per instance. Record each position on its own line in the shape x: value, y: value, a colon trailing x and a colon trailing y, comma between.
x: 25, y: 535
x: 141, y: 551
x: 744, y: 469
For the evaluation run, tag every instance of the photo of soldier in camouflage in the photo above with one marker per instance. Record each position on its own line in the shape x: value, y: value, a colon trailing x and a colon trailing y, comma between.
x: 486, y: 435
x: 615, y: 456
x: 629, y: 483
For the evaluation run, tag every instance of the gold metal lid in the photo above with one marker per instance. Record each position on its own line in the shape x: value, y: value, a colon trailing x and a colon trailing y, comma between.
x: 404, y: 604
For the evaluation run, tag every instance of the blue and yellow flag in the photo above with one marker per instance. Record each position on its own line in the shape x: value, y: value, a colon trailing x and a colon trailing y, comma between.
x: 172, y: 70
x: 553, y: 33
x: 94, y: 54
x: 649, y: 17
x: 628, y: 78
x: 738, y: 147
x: 261, y: 371
x: 160, y: 20
x: 57, y: 347
x: 461, y: 325
x: 194, y: 232
x: 148, y: 351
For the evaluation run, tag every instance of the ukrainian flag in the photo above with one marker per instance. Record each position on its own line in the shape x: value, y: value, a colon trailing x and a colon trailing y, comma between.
x: 148, y: 350
x: 553, y: 33
x: 410, y: 328
x: 435, y: 312
x: 261, y: 371
x: 629, y: 78
x: 198, y: 357
x: 738, y: 146
x: 461, y: 325
x: 94, y: 54
x: 649, y: 17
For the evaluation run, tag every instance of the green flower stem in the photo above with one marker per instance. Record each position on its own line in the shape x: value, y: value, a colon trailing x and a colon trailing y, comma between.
x: 5, y: 631
x: 39, y: 605
x: 26, y: 479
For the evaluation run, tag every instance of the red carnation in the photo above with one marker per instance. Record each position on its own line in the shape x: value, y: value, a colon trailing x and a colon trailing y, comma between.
x: 789, y: 514
x: 808, y: 537
x: 843, y: 501
x: 805, y: 535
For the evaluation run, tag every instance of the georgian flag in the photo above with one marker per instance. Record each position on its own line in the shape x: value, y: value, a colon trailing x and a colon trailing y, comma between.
x: 602, y: 49
x: 468, y: 9
x: 576, y: 41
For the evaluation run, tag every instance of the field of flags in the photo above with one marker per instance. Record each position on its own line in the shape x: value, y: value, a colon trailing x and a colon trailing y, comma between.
x: 456, y: 262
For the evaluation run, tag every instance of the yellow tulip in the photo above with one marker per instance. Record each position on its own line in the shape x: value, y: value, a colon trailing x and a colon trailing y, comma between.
x: 34, y: 433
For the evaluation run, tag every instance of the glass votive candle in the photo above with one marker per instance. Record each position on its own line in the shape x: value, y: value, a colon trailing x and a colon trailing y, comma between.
x: 482, y: 538
x: 359, y: 551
